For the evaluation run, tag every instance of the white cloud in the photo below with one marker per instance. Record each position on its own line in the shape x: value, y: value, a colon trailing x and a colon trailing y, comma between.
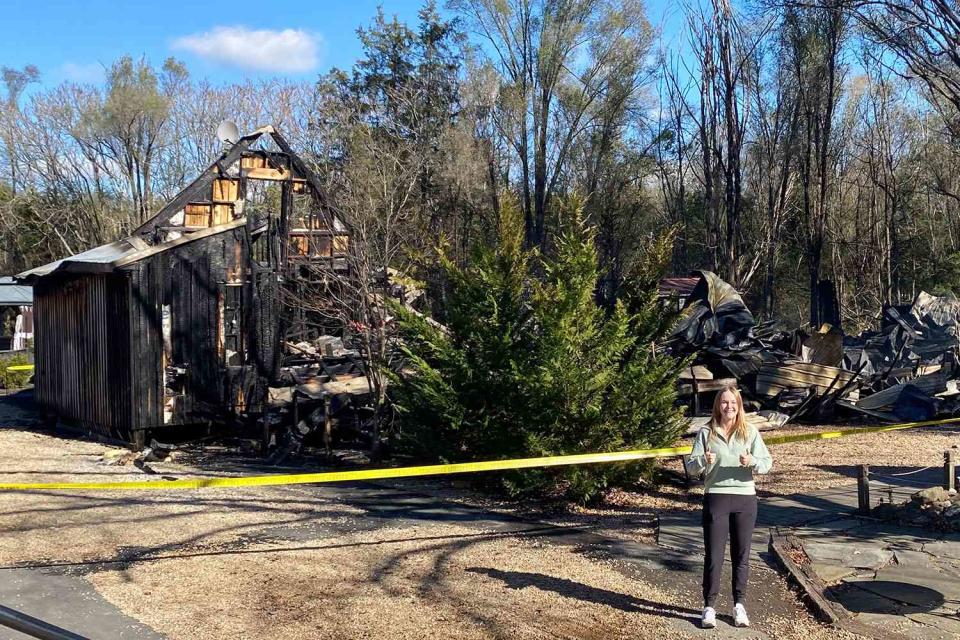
x: 286, y: 51
x: 92, y: 73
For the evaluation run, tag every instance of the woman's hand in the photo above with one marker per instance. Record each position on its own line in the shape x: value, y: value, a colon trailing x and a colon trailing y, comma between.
x: 746, y: 460
x: 710, y: 457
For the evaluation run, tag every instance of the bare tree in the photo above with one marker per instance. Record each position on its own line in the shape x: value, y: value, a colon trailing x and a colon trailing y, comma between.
x: 817, y: 36
x: 129, y: 122
x: 776, y: 122
x: 15, y: 82
x: 925, y: 37
x: 558, y: 58
x: 724, y: 52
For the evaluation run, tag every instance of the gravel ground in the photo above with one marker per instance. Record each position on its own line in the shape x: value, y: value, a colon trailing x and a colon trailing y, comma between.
x: 198, y: 564
x: 463, y: 587
x: 813, y: 465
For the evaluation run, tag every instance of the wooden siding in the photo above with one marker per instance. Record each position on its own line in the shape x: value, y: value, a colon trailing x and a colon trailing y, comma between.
x: 82, y: 342
x: 774, y: 378
x: 100, y: 340
x: 195, y: 319
x: 146, y: 354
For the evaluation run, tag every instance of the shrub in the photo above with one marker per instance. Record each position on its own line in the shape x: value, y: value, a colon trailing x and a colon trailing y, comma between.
x: 531, y: 365
x: 14, y: 379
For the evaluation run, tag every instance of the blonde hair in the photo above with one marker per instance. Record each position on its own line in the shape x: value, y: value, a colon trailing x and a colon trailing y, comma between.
x: 740, y: 422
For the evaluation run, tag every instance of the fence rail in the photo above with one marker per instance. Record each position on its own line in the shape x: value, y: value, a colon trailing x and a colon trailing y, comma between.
x: 864, y: 475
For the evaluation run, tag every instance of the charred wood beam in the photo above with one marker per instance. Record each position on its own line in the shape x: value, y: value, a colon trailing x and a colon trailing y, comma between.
x: 301, y: 167
x: 196, y: 189
x: 283, y: 225
x: 275, y: 159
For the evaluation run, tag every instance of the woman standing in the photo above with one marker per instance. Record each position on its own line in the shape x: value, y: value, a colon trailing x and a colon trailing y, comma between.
x: 727, y: 452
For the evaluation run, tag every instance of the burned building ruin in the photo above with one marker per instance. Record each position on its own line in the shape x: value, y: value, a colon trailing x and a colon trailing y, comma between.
x: 183, y: 322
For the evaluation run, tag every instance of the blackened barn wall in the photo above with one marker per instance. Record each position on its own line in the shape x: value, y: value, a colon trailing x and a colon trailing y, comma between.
x: 188, y: 284
x: 100, y: 339
x: 82, y: 344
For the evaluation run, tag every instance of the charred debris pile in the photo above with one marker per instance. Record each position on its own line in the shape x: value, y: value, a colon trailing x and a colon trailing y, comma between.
x: 905, y: 371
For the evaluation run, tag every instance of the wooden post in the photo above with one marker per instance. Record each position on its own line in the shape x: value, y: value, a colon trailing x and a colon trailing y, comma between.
x: 327, y: 435
x: 296, y: 408
x: 696, y: 391
x: 863, y: 489
x: 949, y: 469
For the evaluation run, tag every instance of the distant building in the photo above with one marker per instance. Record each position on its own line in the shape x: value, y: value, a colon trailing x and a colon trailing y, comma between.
x: 678, y: 288
x: 16, y: 315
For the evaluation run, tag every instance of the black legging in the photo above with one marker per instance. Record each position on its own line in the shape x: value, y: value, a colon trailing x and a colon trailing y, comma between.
x: 725, y: 513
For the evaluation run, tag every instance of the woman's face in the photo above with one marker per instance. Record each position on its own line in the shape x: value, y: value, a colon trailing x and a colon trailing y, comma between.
x: 728, y: 406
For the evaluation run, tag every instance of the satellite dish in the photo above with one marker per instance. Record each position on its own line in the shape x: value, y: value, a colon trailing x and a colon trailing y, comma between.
x: 228, y: 133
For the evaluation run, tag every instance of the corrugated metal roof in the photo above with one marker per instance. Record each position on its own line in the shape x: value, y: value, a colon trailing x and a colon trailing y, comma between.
x: 102, y: 255
x: 13, y: 294
x: 120, y: 253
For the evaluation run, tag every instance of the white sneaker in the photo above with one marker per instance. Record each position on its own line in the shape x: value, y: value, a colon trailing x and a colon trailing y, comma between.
x: 740, y: 618
x: 709, y: 618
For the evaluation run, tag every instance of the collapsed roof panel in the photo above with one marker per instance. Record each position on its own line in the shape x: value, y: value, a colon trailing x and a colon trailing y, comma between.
x: 118, y: 254
x: 96, y: 259
x: 715, y: 313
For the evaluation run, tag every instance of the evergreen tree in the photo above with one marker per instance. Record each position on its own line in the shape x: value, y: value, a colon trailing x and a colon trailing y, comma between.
x: 531, y: 365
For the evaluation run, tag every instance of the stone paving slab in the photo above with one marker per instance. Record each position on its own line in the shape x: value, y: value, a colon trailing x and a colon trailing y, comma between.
x: 944, y: 549
x: 831, y: 573
x: 916, y: 594
x: 847, y: 555
x: 942, y: 620
x: 903, y: 625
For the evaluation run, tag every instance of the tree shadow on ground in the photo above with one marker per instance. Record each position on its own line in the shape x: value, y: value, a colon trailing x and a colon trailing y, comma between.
x: 895, y: 475
x: 885, y: 597
x: 586, y: 593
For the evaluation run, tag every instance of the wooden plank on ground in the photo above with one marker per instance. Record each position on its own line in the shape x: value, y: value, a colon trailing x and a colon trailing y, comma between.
x: 754, y: 419
x: 705, y: 386
x: 315, y: 389
x: 696, y: 371
x: 773, y: 378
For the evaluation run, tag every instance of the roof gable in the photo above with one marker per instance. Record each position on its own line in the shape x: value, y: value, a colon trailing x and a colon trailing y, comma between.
x: 207, y: 206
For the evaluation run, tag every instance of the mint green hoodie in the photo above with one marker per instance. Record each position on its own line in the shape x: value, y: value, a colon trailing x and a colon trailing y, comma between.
x: 726, y: 475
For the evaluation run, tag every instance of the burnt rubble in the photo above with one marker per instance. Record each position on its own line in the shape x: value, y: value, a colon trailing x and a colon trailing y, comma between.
x: 321, y: 398
x: 905, y: 371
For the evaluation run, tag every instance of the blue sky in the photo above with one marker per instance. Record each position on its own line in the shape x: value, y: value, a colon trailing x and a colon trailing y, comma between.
x: 75, y: 40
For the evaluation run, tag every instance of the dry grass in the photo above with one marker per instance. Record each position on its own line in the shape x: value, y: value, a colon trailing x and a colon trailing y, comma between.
x: 205, y: 564
x: 463, y: 587
x: 822, y: 464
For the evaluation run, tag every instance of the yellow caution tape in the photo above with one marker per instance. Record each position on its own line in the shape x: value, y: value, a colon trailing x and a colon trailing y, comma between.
x: 827, y: 435
x: 366, y: 474
x: 434, y: 469
x: 20, y: 367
